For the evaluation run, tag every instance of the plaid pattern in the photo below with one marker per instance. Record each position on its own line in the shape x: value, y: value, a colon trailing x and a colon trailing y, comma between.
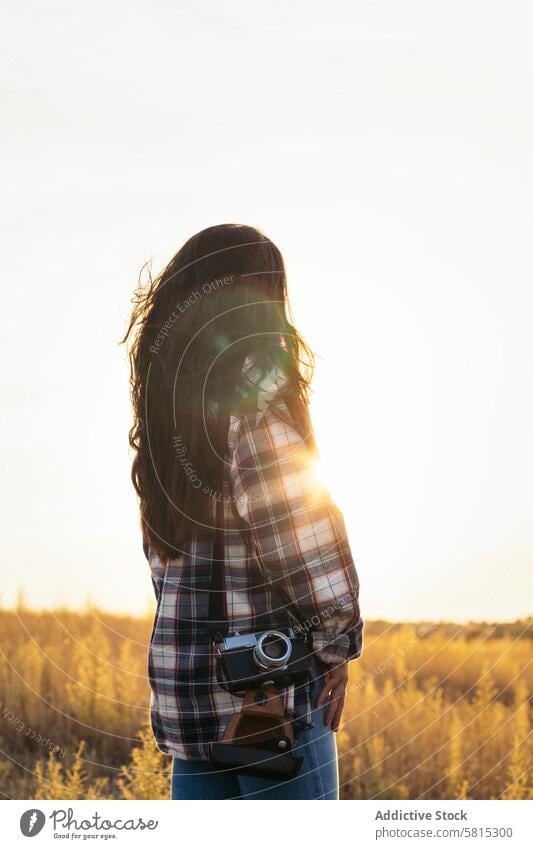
x: 285, y: 545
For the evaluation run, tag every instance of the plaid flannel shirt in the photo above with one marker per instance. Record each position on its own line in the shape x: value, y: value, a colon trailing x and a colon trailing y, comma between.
x: 285, y: 546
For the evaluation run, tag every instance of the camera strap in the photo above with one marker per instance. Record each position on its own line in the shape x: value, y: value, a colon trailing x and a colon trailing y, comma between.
x: 218, y: 623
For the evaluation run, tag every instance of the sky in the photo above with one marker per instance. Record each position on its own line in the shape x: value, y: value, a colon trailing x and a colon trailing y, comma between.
x: 386, y: 148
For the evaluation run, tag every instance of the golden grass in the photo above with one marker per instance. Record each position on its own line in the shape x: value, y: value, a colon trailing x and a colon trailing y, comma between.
x: 434, y: 711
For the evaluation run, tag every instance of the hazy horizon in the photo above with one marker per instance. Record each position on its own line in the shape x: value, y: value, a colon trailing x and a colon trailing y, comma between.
x: 87, y: 608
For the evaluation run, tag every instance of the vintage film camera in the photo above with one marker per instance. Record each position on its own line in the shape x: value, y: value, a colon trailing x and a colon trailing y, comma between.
x: 248, y: 661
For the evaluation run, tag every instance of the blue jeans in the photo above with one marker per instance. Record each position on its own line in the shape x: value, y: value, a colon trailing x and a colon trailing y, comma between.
x: 318, y: 777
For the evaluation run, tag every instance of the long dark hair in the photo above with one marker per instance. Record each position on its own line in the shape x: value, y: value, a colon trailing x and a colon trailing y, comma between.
x: 221, y: 299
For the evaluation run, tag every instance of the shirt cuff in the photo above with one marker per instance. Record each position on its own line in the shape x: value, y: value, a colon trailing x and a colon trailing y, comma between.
x: 334, y: 648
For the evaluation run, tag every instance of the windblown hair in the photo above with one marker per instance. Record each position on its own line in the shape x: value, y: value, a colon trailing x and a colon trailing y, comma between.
x: 222, y: 298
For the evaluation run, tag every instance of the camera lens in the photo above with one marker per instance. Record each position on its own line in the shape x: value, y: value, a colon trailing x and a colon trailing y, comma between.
x: 273, y: 649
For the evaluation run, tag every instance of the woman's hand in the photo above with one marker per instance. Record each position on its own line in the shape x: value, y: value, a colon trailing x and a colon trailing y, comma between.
x: 334, y: 691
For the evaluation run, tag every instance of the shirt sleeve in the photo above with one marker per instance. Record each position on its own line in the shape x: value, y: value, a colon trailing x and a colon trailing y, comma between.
x: 298, y: 532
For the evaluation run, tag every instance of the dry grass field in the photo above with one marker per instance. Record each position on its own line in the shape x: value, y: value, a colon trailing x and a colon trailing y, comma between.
x: 434, y: 710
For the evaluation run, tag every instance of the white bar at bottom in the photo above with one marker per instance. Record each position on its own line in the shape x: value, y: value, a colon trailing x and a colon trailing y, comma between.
x: 262, y: 824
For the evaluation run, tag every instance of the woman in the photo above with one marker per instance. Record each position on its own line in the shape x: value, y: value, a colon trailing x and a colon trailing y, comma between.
x: 220, y: 384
